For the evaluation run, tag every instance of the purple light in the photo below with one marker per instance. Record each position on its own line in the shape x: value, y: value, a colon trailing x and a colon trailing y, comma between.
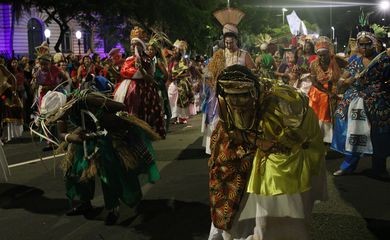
x: 6, y: 29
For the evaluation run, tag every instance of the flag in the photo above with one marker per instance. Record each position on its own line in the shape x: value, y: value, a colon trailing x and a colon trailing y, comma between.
x: 297, y: 26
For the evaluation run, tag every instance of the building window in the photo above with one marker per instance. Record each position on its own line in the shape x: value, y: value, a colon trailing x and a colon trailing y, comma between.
x: 65, y: 45
x: 87, y: 40
x: 35, y: 35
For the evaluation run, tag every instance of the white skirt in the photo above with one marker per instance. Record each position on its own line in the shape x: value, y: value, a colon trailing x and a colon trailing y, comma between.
x: 173, y: 95
x: 207, y: 132
x: 274, y: 217
x: 327, y: 130
x: 121, y: 91
x: 4, y: 170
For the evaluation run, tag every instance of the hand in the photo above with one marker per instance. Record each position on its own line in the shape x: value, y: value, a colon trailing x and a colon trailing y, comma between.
x: 77, y: 136
x: 264, y: 145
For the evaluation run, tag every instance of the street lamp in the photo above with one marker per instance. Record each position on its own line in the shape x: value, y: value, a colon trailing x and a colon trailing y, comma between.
x: 283, y: 11
x: 333, y: 29
x: 47, y: 35
x: 78, y: 36
x: 384, y: 5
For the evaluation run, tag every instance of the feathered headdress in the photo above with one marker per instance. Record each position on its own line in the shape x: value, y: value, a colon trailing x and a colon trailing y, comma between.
x: 229, y: 18
x: 263, y: 40
x: 364, y: 27
x: 158, y: 40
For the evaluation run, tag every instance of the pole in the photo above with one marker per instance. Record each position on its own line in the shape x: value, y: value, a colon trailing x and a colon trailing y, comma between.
x: 228, y: 3
x: 79, y: 43
x: 283, y: 16
x: 333, y: 34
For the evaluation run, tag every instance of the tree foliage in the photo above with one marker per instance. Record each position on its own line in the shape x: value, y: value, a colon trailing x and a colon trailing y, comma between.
x: 189, y: 20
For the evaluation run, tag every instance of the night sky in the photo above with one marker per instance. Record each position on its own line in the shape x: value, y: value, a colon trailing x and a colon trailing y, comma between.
x: 343, y: 15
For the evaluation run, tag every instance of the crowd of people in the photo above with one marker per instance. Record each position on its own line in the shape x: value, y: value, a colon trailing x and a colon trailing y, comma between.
x: 266, y: 122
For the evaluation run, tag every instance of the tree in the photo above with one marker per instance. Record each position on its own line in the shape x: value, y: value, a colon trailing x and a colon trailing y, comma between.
x: 61, y: 12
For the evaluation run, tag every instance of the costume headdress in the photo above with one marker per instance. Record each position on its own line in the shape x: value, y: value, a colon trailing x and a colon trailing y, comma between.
x: 365, y: 31
x: 263, y: 40
x: 323, y: 43
x: 158, y: 40
x: 138, y: 34
x: 229, y: 18
x: 43, y: 52
x: 181, y: 45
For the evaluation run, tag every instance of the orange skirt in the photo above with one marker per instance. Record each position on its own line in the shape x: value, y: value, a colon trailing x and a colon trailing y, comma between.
x: 319, y: 101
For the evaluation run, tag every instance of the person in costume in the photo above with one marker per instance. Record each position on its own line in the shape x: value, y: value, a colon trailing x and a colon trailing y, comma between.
x: 265, y: 62
x: 159, y: 66
x: 47, y: 77
x: 11, y: 106
x: 137, y: 90
x: 210, y: 102
x: 12, y: 102
x: 114, y: 70
x: 361, y: 125
x: 325, y: 71
x: 229, y: 18
x: 285, y: 72
x: 100, y: 140
x: 180, y: 90
x: 267, y: 165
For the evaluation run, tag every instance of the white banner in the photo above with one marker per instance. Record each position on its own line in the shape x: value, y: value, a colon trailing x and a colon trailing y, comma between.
x: 297, y: 26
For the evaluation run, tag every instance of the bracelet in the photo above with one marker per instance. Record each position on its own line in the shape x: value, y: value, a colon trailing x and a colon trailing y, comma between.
x: 66, y: 137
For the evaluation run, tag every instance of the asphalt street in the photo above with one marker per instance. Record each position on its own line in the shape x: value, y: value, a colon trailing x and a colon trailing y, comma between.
x: 33, y: 203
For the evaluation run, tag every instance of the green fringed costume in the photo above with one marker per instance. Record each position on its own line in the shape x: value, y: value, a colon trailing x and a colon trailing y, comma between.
x: 117, y: 159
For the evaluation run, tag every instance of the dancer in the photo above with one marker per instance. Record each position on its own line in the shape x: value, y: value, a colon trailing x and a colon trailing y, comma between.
x: 325, y: 73
x: 180, y: 90
x: 159, y: 66
x: 361, y: 126
x: 230, y: 55
x: 267, y: 163
x: 138, y: 90
x: 104, y: 142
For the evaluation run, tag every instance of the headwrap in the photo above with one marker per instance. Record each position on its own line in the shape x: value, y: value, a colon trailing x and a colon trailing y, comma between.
x: 323, y: 43
x: 369, y: 35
